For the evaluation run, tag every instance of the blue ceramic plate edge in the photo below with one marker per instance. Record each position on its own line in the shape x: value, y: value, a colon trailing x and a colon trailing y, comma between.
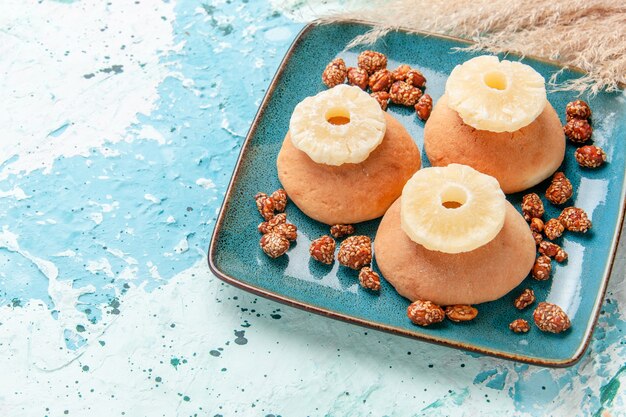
x: 375, y: 325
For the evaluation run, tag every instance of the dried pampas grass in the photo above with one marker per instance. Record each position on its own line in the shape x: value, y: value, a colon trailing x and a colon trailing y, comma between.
x: 588, y: 34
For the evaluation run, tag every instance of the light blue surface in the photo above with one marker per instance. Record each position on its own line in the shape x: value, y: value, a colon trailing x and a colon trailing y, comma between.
x: 168, y: 338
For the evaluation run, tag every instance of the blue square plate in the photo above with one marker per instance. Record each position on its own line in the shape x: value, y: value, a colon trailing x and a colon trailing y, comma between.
x: 332, y: 291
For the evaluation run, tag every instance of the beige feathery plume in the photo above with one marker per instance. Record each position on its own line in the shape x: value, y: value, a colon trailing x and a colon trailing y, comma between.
x: 588, y: 34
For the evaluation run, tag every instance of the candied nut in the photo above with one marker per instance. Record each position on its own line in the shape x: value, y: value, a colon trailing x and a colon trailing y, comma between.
x: 288, y: 230
x: 424, y: 106
x: 372, y: 61
x: 560, y: 189
x: 269, y: 225
x: 542, y: 268
x: 274, y: 244
x: 553, y: 229
x: 538, y: 238
x: 358, y: 77
x: 355, y: 252
x: 577, y: 109
x: 399, y: 74
x: 536, y: 224
x: 532, y: 206
x: 280, y: 199
x: 265, y: 205
x: 323, y: 249
x: 334, y: 73
x: 415, y: 78
x: 590, y: 156
x: 460, y: 312
x: 561, y: 256
x: 369, y: 279
x: 578, y: 130
x: 425, y: 313
x: 526, y: 298
x: 552, y: 250
x: 341, y: 230
x: 404, y: 94
x: 551, y: 318
x: 382, y: 97
x: 519, y: 326
x: 380, y: 80
x: 575, y: 219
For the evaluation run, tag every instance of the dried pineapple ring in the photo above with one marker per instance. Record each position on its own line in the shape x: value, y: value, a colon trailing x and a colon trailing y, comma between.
x: 499, y: 96
x: 452, y: 209
x: 337, y: 126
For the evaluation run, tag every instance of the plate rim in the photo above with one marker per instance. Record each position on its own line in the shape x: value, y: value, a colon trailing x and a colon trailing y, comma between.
x: 555, y: 363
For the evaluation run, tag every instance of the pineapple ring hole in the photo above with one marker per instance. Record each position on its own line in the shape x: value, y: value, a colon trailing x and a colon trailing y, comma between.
x: 338, y: 116
x: 453, y: 197
x: 496, y: 80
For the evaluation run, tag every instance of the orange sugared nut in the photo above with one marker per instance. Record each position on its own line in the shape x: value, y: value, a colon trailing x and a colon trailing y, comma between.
x: 269, y: 225
x: 382, y: 97
x: 575, y: 219
x: 372, y: 61
x: 590, y: 156
x: 404, y: 94
x: 538, y: 237
x: 532, y: 206
x: 542, y: 268
x: 358, y: 77
x: 552, y: 250
x: 553, y: 229
x: 266, y: 205
x: 458, y: 313
x: 287, y: 230
x: 355, y: 252
x: 519, y: 326
x: 425, y: 313
x: 323, y: 249
x: 551, y: 318
x: 280, y: 199
x: 526, y: 298
x: 341, y: 230
x: 399, y: 74
x: 334, y: 73
x: 424, y: 106
x: 577, y: 110
x: 578, y: 130
x: 560, y: 189
x: 415, y: 78
x: 536, y: 224
x: 369, y: 279
x: 380, y: 80
x: 274, y: 244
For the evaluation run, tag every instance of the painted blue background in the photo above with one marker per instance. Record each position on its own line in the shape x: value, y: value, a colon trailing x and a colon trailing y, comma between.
x: 203, y: 128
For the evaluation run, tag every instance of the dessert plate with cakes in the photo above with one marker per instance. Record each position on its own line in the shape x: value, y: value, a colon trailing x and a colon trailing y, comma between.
x: 448, y: 197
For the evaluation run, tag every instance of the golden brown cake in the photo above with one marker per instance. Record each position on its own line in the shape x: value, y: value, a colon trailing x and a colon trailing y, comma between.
x: 518, y: 160
x: 350, y: 192
x: 496, y: 118
x: 483, y: 274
